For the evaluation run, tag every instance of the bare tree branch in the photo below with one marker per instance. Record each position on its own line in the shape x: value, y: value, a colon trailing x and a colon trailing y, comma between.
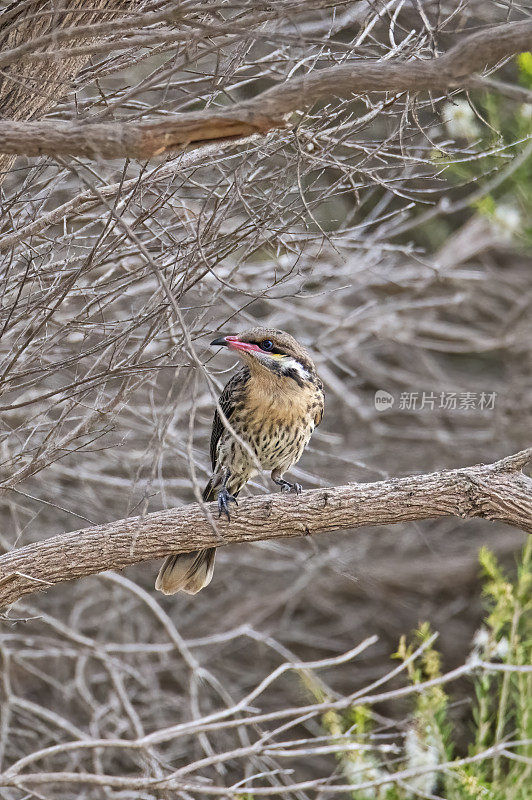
x: 270, y: 109
x: 498, y: 491
x: 25, y: 91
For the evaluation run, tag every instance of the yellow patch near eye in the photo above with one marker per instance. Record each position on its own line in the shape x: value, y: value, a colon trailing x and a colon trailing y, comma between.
x: 277, y: 355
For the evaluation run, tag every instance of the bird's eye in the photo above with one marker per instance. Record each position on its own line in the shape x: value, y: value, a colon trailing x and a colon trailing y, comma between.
x: 267, y: 344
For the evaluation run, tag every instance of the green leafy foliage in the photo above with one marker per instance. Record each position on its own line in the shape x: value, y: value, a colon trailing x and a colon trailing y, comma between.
x: 498, y: 764
x: 524, y: 61
x: 495, y: 156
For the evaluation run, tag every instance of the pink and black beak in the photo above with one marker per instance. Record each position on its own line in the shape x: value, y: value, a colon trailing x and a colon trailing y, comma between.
x: 221, y: 341
x: 234, y: 343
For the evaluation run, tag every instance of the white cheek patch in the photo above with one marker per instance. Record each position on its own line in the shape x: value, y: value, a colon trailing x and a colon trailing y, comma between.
x: 288, y: 364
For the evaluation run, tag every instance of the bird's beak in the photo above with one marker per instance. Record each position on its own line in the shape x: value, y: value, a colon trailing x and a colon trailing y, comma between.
x: 221, y: 342
x: 234, y: 343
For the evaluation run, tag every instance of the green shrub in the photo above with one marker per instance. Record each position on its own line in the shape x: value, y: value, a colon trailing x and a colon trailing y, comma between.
x: 498, y: 765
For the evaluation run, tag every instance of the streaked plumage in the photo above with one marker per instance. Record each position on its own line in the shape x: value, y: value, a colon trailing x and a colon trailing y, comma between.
x: 273, y: 403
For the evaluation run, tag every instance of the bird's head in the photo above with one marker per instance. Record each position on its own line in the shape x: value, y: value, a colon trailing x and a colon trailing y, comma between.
x: 273, y: 350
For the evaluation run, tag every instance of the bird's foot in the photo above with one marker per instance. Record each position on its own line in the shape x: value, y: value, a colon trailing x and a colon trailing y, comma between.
x: 224, y: 498
x: 286, y: 486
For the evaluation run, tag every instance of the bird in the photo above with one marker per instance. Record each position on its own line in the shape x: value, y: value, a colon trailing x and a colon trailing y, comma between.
x: 264, y: 419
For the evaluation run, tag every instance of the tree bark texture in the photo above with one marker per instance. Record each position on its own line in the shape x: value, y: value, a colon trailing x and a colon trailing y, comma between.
x: 499, y: 491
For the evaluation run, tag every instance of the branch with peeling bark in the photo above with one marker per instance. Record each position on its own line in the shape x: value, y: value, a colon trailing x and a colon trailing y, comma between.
x: 499, y: 491
x: 269, y: 110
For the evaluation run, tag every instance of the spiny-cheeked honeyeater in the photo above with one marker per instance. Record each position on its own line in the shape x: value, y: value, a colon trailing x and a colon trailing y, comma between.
x: 272, y: 404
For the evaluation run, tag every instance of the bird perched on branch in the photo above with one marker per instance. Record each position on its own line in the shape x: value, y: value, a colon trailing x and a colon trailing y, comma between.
x: 264, y: 419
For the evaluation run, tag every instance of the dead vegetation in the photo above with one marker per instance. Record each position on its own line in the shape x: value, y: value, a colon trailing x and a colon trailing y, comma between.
x: 364, y: 229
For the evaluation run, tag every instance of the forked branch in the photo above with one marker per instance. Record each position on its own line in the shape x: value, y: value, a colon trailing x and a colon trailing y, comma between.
x: 499, y: 491
x: 270, y: 109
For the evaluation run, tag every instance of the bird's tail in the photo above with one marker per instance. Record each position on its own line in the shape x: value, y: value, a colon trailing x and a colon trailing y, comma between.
x: 188, y: 572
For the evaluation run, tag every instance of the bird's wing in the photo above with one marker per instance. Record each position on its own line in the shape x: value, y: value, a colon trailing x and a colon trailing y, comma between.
x: 318, y: 416
x: 228, y: 400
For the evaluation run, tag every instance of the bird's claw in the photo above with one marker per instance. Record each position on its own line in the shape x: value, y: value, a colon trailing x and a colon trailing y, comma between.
x: 296, y: 488
x: 224, y: 498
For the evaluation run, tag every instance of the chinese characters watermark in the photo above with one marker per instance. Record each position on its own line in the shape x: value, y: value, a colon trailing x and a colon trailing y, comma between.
x: 431, y: 401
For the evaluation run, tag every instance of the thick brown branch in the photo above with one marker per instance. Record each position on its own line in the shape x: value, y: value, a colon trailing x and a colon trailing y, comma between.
x: 270, y: 109
x: 497, y: 491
